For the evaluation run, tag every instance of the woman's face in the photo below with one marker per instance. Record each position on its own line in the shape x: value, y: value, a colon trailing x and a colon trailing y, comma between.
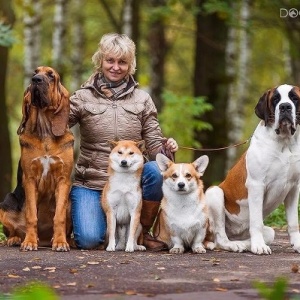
x: 114, y: 69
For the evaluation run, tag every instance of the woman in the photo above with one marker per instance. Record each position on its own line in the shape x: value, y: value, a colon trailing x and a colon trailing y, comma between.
x: 109, y: 106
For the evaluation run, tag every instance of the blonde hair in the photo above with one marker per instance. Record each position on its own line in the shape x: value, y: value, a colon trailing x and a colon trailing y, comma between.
x: 117, y: 45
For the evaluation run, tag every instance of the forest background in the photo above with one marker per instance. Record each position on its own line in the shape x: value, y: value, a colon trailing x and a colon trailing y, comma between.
x: 204, y: 62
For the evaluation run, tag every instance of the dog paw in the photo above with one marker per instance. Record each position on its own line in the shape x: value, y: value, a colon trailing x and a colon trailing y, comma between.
x: 209, y: 245
x: 260, y: 249
x: 60, y: 246
x: 233, y: 246
x: 140, y: 248
x: 110, y: 248
x: 13, y: 241
x: 29, y: 246
x: 176, y: 250
x: 199, y: 250
x: 129, y: 248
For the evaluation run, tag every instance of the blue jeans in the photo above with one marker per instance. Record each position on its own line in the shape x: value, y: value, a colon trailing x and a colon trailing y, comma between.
x: 89, y: 222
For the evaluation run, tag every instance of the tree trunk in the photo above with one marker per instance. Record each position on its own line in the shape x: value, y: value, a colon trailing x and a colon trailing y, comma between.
x: 58, y: 38
x: 32, y: 37
x: 130, y: 24
x: 237, y: 57
x: 211, y: 81
x: 293, y: 34
x: 157, y: 49
x: 78, y: 42
x: 5, y: 149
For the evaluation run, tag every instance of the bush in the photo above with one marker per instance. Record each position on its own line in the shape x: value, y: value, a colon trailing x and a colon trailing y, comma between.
x: 180, y: 117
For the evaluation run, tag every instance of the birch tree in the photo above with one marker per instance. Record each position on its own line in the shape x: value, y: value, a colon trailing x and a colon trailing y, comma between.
x: 32, y: 37
x: 237, y: 61
x: 58, y: 38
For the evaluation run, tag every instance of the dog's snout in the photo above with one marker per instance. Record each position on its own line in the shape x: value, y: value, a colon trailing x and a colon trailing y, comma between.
x: 285, y: 107
x: 124, y: 163
x: 37, y: 79
x: 181, y: 185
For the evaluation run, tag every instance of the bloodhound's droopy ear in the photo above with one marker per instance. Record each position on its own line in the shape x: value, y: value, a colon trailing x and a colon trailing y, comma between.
x: 61, y: 115
x: 262, y: 109
x: 25, y: 110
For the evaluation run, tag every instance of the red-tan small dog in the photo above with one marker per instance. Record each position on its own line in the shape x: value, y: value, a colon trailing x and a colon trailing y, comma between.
x: 122, y: 196
x: 183, y: 219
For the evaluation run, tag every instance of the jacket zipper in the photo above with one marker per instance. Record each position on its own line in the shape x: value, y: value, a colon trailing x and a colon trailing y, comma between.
x: 114, y: 106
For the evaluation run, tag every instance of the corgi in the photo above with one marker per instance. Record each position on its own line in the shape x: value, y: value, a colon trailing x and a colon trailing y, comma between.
x: 122, y: 195
x: 183, y: 218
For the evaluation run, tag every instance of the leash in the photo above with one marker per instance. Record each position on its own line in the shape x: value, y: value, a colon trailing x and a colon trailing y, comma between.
x: 215, y: 149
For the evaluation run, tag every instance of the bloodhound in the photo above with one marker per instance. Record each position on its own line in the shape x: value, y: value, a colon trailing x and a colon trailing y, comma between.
x: 45, y: 168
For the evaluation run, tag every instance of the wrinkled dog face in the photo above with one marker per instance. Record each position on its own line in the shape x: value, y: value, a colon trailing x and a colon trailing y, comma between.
x: 126, y: 156
x: 280, y: 109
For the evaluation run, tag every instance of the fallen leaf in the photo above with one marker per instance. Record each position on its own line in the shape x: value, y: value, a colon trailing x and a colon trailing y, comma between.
x: 36, y: 267
x: 295, y: 268
x: 13, y: 276
x: 71, y: 283
x: 216, y: 280
x: 221, y: 289
x: 73, y: 271
x: 56, y: 286
x: 161, y: 268
x: 124, y: 262
x: 157, y: 277
x: 82, y: 266
x: 90, y: 285
x: 93, y: 262
x: 26, y: 269
x: 130, y: 292
x: 50, y: 268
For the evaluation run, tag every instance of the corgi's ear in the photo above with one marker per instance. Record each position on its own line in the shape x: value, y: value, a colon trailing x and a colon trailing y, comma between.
x: 141, y: 145
x: 200, y: 164
x: 163, y: 162
x: 112, y: 144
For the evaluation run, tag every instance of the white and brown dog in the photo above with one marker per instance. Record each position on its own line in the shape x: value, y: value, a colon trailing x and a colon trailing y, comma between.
x: 122, y: 196
x: 267, y: 175
x: 183, y: 218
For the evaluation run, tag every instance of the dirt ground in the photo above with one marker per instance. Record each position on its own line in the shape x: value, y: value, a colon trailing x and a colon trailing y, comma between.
x: 99, y: 274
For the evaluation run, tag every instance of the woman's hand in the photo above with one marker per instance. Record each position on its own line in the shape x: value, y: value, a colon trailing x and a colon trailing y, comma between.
x: 171, y: 145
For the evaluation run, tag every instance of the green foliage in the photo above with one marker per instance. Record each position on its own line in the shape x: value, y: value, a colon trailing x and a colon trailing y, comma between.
x: 6, y: 36
x: 277, y: 217
x: 275, y: 292
x: 2, y: 236
x: 180, y: 117
x: 32, y: 291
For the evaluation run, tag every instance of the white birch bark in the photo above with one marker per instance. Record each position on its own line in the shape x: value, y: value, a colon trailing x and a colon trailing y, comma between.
x: 58, y: 38
x: 77, y: 45
x: 32, y: 37
x: 237, y: 53
x: 127, y: 18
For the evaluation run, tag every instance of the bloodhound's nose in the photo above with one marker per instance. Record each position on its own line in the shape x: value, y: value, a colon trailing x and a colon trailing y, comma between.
x: 37, y: 79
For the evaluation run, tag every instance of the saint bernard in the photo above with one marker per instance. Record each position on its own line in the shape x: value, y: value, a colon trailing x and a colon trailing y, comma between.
x: 267, y: 175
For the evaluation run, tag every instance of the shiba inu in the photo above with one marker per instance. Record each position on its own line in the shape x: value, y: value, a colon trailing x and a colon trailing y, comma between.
x: 122, y: 196
x: 183, y: 219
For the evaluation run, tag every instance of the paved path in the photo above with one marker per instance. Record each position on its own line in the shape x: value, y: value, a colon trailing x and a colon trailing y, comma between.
x: 99, y: 274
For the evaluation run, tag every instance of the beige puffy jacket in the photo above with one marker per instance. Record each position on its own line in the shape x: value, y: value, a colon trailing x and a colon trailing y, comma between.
x: 131, y: 116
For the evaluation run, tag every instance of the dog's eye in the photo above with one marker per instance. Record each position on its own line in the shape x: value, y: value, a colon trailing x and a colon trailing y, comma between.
x: 50, y: 75
x: 174, y: 176
x: 120, y: 152
x: 131, y: 153
x: 188, y: 176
